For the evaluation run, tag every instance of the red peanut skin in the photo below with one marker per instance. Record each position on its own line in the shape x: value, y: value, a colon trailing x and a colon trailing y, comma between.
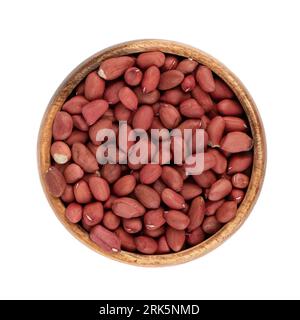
x: 195, y: 237
x: 196, y: 213
x: 163, y: 246
x: 127, y: 240
x: 111, y: 221
x: 111, y: 172
x: 105, y: 239
x: 212, y: 206
x: 170, y: 63
x: 174, y: 96
x: 60, y: 167
x: 94, y: 110
x: 190, y: 108
x: 159, y: 186
x: 209, y: 162
x: 124, y: 186
x: 188, y: 83
x: 111, y: 93
x: 132, y: 225
x: 151, y: 79
x: 234, y: 124
x: 177, y: 219
x: 60, y: 152
x: 215, y: 131
x: 147, y: 59
x: 236, y: 141
x: 128, y: 98
x: 82, y: 192
x: 237, y: 195
x: 155, y: 233
x: 146, y: 245
x: 169, y: 116
x: 205, y: 79
x: 80, y: 89
x: 226, y: 212
x: 150, y: 173
x: 187, y: 66
x: 240, y: 162
x: 127, y: 208
x: 175, y: 238
x: 190, y: 124
x: 80, y: 123
x: 172, y: 178
x: 133, y: 76
x: 143, y: 118
x: 55, y: 182
x: 62, y: 126
x: 222, y: 91
x: 228, y: 107
x: 75, y: 104
x: 240, y: 181
x: 154, y: 219
x: 121, y: 113
x: 220, y: 189
x: 95, y: 128
x: 84, y: 158
x: 205, y: 179
x: 109, y: 201
x: 73, y: 212
x: 211, y: 225
x: 68, y: 194
x: 203, y: 98
x: 92, y: 213
x: 190, y: 190
x: 94, y: 86
x: 77, y: 136
x: 170, y: 79
x: 221, y: 161
x: 173, y: 199
x: 73, y: 173
x: 147, y: 196
x: 113, y: 68
x: 99, y: 188
x: 147, y: 98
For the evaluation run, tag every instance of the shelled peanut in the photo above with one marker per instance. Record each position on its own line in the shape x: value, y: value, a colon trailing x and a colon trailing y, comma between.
x: 153, y: 208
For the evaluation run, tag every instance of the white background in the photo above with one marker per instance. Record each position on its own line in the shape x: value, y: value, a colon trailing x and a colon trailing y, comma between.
x: 42, y: 41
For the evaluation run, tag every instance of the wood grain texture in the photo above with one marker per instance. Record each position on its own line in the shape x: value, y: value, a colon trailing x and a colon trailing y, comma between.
x: 259, y: 162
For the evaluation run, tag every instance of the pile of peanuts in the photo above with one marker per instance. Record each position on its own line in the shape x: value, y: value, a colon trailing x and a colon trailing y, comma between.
x: 150, y: 208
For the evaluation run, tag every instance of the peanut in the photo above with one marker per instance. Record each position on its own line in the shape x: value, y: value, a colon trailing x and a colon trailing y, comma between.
x: 55, y: 182
x: 177, y: 219
x: 74, y: 212
x: 105, y: 239
x: 94, y: 86
x: 127, y: 208
x: 205, y: 79
x: 60, y: 152
x: 62, y: 126
x: 227, y: 211
x: 147, y: 196
x: 113, y: 68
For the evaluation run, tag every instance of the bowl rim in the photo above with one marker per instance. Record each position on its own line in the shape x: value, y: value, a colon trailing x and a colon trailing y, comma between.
x: 244, y: 97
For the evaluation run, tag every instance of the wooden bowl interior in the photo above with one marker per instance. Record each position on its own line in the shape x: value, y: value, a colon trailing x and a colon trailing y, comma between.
x: 259, y: 161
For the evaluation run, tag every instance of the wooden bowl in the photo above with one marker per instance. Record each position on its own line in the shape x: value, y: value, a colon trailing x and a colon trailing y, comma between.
x: 259, y: 161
